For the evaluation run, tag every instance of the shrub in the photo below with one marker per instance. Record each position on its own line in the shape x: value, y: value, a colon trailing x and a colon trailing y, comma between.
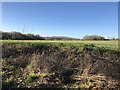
x: 93, y: 37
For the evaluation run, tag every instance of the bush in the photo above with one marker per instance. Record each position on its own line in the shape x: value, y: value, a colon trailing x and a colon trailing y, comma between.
x: 93, y: 37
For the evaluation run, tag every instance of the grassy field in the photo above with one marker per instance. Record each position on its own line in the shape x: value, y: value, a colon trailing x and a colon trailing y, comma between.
x: 106, y: 44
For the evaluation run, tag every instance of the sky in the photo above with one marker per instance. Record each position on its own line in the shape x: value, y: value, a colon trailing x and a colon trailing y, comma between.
x: 72, y: 19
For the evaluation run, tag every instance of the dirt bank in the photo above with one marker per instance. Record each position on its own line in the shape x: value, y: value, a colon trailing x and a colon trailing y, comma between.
x: 47, y: 66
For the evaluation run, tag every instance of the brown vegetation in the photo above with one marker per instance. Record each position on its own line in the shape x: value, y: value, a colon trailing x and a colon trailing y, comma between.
x: 53, y: 67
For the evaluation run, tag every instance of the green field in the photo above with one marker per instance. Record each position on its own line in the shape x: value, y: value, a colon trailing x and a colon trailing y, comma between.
x: 106, y: 44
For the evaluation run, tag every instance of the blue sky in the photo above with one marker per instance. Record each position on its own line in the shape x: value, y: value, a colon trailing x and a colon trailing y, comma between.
x: 73, y: 19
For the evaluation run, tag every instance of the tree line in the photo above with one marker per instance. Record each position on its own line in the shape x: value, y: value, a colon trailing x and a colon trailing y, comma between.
x: 21, y: 36
x: 96, y: 37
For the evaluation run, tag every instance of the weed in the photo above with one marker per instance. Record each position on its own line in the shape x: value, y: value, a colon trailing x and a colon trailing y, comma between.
x: 32, y: 76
